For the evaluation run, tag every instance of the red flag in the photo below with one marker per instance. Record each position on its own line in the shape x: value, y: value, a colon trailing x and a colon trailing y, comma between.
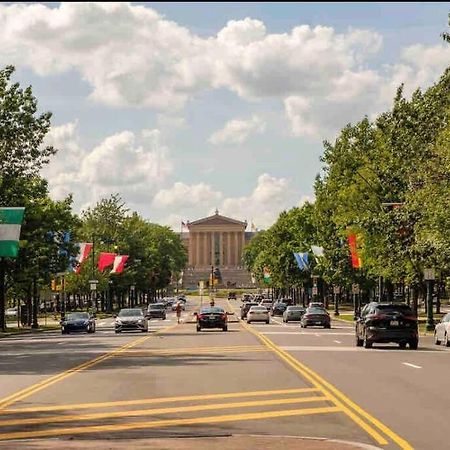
x: 356, y: 260
x: 119, y: 263
x: 83, y: 254
x: 105, y: 260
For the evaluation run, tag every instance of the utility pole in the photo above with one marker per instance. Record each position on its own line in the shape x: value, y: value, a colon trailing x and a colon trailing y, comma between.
x: 2, y: 295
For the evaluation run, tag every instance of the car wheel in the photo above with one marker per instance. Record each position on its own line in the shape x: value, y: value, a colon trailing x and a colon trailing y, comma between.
x: 436, y: 340
x: 249, y: 321
x: 225, y: 329
x: 198, y: 328
x: 414, y: 344
x: 93, y: 330
x: 117, y: 331
x: 63, y: 332
x: 327, y: 326
x: 267, y: 322
x: 367, y: 343
x: 402, y: 345
x: 446, y: 341
x: 359, y: 342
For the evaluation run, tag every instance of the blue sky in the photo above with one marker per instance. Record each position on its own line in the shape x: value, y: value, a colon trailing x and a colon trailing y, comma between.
x: 182, y: 108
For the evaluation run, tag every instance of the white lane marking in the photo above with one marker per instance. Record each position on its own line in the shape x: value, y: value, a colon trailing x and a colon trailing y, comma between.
x: 386, y: 350
x: 317, y: 334
x: 307, y: 333
x: 412, y: 365
x: 338, y: 342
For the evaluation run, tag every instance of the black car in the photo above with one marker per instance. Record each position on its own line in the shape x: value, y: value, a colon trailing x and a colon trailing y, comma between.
x: 213, y: 317
x: 78, y: 321
x: 387, y: 322
x: 278, y: 309
x: 231, y: 295
x: 131, y: 319
x: 156, y: 311
x: 245, y: 308
x: 316, y: 317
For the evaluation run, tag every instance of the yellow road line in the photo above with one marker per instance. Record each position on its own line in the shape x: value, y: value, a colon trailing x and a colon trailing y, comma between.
x: 24, y: 393
x: 148, y: 412
x: 199, y: 349
x: 168, y: 422
x: 193, y: 353
x: 339, y: 398
x: 161, y: 400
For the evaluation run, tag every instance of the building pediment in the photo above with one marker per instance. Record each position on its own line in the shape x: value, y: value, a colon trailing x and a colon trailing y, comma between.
x: 217, y: 219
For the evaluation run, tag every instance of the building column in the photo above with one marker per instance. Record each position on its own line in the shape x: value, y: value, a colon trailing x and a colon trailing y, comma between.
x: 229, y: 262
x: 197, y: 249
x: 242, y: 247
x: 221, y: 248
x: 212, y: 249
x: 191, y: 249
x: 234, y: 249
x: 205, y: 249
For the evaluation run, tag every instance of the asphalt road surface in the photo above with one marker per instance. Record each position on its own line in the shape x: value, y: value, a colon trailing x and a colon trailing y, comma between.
x: 255, y: 386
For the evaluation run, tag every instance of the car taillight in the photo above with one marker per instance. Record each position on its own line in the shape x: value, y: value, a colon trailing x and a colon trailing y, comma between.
x: 306, y: 315
x: 201, y: 316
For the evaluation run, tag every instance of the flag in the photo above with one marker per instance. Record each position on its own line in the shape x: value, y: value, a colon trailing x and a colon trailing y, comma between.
x: 10, y: 223
x: 105, y: 260
x: 83, y: 253
x: 318, y: 251
x: 356, y: 260
x: 302, y: 260
x: 119, y: 263
x: 266, y: 272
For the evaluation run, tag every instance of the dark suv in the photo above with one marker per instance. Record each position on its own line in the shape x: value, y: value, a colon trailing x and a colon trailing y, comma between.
x: 387, y: 322
x: 245, y: 308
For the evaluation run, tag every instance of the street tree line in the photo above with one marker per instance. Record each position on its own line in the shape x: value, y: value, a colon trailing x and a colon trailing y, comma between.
x: 156, y: 254
x: 386, y: 181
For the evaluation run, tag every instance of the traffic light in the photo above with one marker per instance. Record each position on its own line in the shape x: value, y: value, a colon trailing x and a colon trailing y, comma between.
x: 53, y: 285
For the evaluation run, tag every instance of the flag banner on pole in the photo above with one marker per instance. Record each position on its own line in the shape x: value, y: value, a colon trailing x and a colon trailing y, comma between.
x: 317, y: 251
x: 83, y: 253
x: 105, y: 260
x: 302, y: 260
x: 356, y: 260
x: 119, y: 263
x: 266, y: 272
x: 10, y: 223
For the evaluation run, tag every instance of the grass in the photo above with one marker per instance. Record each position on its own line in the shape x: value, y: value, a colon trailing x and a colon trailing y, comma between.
x: 15, y: 330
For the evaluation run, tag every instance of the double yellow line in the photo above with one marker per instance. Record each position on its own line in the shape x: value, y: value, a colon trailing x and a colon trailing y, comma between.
x: 24, y: 393
x: 193, y: 351
x: 361, y: 417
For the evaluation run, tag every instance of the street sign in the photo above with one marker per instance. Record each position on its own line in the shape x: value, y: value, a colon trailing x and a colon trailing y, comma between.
x: 336, y: 290
x: 428, y: 274
x: 93, y: 284
x: 315, y: 290
x: 355, y: 289
x: 201, y: 284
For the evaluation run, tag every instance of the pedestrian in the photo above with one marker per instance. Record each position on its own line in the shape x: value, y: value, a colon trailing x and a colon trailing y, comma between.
x: 178, y: 310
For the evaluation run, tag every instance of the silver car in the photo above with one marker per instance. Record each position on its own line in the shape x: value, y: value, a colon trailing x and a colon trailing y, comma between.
x: 131, y: 319
x: 258, y: 314
x: 293, y: 313
x: 442, y: 331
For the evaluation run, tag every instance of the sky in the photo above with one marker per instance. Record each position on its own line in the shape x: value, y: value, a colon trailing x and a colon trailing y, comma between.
x: 183, y: 108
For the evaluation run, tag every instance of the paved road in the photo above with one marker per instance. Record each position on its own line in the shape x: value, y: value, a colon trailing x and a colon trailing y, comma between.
x: 256, y: 386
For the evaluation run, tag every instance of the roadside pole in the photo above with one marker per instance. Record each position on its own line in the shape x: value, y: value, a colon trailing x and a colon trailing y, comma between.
x: 2, y: 296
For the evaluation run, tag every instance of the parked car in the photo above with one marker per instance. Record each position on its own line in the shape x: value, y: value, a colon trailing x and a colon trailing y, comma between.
x: 213, y: 317
x: 258, y: 314
x: 78, y: 321
x: 387, y: 322
x: 267, y: 303
x: 131, y: 319
x: 293, y: 313
x: 245, y: 308
x: 442, y: 331
x: 278, y: 309
x: 11, y: 312
x: 156, y: 311
x: 231, y: 295
x: 316, y: 317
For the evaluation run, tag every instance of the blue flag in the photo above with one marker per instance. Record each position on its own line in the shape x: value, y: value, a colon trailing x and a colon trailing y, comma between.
x: 302, y: 260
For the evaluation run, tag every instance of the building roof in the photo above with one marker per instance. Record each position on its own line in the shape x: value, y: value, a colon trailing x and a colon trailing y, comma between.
x: 217, y: 219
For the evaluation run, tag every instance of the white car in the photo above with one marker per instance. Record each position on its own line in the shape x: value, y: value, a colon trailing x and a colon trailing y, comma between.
x: 11, y: 312
x: 266, y: 303
x: 442, y: 331
x: 258, y: 314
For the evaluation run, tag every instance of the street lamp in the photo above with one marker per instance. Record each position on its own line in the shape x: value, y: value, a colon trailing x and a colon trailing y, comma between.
x: 336, y: 292
x: 429, y: 276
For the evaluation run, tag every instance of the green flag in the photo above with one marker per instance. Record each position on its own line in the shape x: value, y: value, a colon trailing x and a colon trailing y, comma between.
x: 10, y: 222
x: 267, y: 277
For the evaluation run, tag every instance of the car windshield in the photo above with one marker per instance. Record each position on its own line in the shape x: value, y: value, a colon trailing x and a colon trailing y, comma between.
x: 214, y: 310
x: 130, y: 313
x: 78, y: 316
x: 157, y: 306
x: 315, y: 310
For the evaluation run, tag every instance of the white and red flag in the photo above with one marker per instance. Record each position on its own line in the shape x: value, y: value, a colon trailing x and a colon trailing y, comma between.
x: 83, y: 253
x: 119, y: 263
x: 105, y: 260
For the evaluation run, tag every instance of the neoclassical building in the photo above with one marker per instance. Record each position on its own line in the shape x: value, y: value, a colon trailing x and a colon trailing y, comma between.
x: 216, y: 241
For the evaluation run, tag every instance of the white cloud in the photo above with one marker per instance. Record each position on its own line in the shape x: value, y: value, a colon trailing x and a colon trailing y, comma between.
x: 237, y: 131
x: 133, y: 165
x: 182, y: 195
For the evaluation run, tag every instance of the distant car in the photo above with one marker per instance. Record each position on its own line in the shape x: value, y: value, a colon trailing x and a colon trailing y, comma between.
x: 388, y: 322
x: 245, y: 308
x: 182, y: 298
x: 247, y: 298
x: 278, y: 309
x: 174, y: 306
x: 442, y: 331
x: 258, y: 314
x: 168, y: 301
x: 316, y: 317
x: 267, y: 303
x: 293, y: 313
x: 78, y: 322
x: 213, y: 317
x: 11, y: 312
x: 231, y: 295
x: 131, y: 319
x: 156, y: 311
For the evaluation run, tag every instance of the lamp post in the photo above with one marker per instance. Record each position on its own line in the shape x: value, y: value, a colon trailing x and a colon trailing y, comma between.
x: 336, y: 292
x: 429, y: 277
x: 315, y: 289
